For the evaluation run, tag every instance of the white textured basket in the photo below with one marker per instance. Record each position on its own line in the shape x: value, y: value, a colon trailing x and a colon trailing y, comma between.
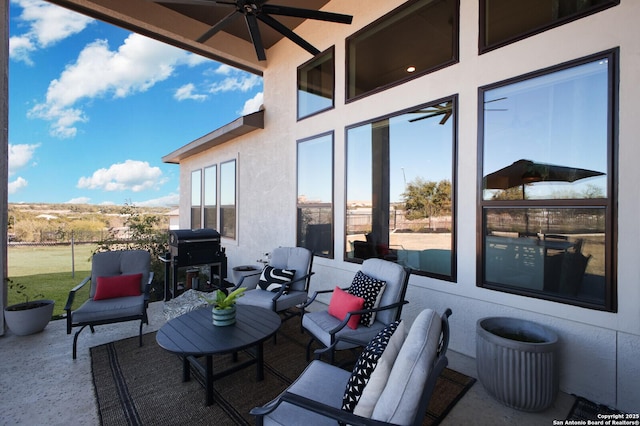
x: 517, y: 362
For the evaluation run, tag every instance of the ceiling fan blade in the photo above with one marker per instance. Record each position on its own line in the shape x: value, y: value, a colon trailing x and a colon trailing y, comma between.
x: 288, y: 33
x: 254, y: 31
x: 218, y: 27
x: 306, y: 13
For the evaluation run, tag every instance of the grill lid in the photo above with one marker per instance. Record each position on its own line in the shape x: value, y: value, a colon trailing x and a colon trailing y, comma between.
x: 183, y: 236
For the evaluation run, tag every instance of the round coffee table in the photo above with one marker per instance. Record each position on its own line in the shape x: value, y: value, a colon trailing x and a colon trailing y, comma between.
x: 193, y: 335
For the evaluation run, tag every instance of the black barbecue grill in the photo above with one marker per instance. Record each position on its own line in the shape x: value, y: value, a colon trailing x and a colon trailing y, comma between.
x: 193, y: 247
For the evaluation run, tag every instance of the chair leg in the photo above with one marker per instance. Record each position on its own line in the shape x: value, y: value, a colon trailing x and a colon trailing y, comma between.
x: 309, y: 349
x: 141, y: 322
x: 75, y: 340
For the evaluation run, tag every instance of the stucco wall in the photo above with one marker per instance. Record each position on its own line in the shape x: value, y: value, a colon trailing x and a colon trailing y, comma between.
x: 599, y: 349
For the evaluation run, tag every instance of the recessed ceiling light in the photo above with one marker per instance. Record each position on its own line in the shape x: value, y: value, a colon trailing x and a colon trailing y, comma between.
x: 411, y: 68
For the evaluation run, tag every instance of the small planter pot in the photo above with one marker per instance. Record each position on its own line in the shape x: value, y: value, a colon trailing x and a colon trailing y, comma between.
x: 517, y: 362
x: 24, y: 319
x: 224, y: 317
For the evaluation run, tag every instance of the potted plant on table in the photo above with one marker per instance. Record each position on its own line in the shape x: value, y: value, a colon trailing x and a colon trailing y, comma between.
x: 224, y: 306
x: 29, y: 317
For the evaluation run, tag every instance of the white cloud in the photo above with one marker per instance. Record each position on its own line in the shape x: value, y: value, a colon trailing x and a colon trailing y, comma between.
x: 136, y: 66
x: 187, y: 92
x: 253, y: 104
x: 79, y: 200
x: 17, y: 185
x: 48, y: 24
x: 20, y: 155
x: 167, y: 200
x: 131, y: 175
x: 236, y: 80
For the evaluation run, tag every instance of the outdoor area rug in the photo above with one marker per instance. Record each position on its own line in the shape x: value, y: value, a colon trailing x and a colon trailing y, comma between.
x: 143, y: 385
x: 583, y: 409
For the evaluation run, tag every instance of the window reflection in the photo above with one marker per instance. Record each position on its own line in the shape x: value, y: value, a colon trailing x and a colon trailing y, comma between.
x: 546, y: 200
x: 196, y: 194
x: 544, y: 136
x: 399, y: 190
x: 210, y: 198
x: 228, y: 199
x: 315, y: 195
x: 316, y: 85
x: 558, y: 251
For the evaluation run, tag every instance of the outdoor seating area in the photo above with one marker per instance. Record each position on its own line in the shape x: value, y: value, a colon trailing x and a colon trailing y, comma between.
x: 38, y: 365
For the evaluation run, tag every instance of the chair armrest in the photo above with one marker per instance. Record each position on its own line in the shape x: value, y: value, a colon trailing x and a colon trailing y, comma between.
x: 364, y: 311
x: 147, y: 287
x: 72, y: 293
x: 315, y: 294
x: 286, y: 287
x: 317, y: 407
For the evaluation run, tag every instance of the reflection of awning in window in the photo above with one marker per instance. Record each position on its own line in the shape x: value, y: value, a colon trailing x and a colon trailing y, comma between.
x: 523, y: 172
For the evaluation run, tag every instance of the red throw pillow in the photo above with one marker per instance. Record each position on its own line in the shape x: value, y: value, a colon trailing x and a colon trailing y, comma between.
x: 118, y: 286
x: 343, y: 302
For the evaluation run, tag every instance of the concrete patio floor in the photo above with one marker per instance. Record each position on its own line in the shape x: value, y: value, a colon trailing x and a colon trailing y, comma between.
x: 40, y: 384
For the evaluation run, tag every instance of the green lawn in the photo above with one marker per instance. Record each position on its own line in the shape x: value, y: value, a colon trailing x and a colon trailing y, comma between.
x: 47, y: 270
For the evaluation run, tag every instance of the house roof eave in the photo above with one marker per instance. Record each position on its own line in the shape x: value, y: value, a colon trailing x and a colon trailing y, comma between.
x: 239, y: 127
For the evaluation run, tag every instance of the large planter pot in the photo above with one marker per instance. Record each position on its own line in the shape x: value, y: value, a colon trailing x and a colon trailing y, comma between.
x: 224, y: 317
x: 243, y: 271
x: 24, y: 319
x: 517, y: 362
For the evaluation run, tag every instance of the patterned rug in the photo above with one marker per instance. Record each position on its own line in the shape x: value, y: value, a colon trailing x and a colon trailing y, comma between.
x: 585, y: 410
x: 143, y: 385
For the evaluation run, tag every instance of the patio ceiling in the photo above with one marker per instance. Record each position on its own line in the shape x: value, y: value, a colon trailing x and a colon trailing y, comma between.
x: 181, y: 24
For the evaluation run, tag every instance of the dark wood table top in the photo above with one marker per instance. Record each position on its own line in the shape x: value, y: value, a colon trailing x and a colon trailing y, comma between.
x: 194, y: 333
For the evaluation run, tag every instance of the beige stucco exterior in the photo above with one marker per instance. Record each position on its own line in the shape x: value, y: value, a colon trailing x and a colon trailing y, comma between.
x: 599, y: 356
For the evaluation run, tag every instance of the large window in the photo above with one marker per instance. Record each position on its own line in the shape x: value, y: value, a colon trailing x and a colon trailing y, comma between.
x: 196, y: 199
x: 219, y: 194
x: 547, y: 199
x: 210, y: 197
x: 316, y: 85
x: 228, y: 209
x: 400, y: 189
x: 506, y: 21
x: 415, y: 39
x: 315, y: 195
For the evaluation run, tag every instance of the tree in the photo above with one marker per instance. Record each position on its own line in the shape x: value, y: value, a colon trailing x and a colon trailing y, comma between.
x: 426, y: 199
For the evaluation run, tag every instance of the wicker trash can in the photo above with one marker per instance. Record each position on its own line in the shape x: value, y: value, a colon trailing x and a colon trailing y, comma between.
x: 517, y: 362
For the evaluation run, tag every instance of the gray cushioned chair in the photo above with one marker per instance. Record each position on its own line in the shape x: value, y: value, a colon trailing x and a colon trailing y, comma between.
x: 401, y: 397
x: 333, y: 334
x: 98, y: 312
x: 295, y: 293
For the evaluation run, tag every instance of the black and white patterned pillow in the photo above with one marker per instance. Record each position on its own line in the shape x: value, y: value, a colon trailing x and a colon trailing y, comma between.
x: 272, y: 279
x: 370, y: 289
x: 365, y: 365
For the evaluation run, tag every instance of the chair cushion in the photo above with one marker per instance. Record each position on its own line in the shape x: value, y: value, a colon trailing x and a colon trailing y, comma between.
x: 394, y: 275
x: 378, y: 380
x: 319, y: 322
x: 365, y: 365
x: 118, y: 286
x: 342, y: 302
x: 319, y: 381
x: 400, y: 398
x: 119, y: 262
x: 370, y: 289
x: 272, y: 279
x: 93, y: 311
x: 296, y: 259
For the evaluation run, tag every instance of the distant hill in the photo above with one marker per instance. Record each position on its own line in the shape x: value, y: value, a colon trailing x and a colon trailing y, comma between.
x: 42, y: 222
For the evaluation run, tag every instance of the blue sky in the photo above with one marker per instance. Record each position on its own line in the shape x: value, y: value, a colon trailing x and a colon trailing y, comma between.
x: 93, y: 108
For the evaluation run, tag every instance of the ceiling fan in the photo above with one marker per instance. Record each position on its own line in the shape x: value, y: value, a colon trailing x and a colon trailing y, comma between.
x: 257, y: 10
x: 445, y: 109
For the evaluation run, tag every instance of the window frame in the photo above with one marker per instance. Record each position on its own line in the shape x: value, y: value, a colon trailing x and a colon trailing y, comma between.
x: 483, y: 47
x: 609, y: 203
x: 330, y: 134
x: 411, y: 76
x: 218, y: 194
x: 235, y: 199
x: 453, y: 277
x: 193, y: 181
x: 316, y: 58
